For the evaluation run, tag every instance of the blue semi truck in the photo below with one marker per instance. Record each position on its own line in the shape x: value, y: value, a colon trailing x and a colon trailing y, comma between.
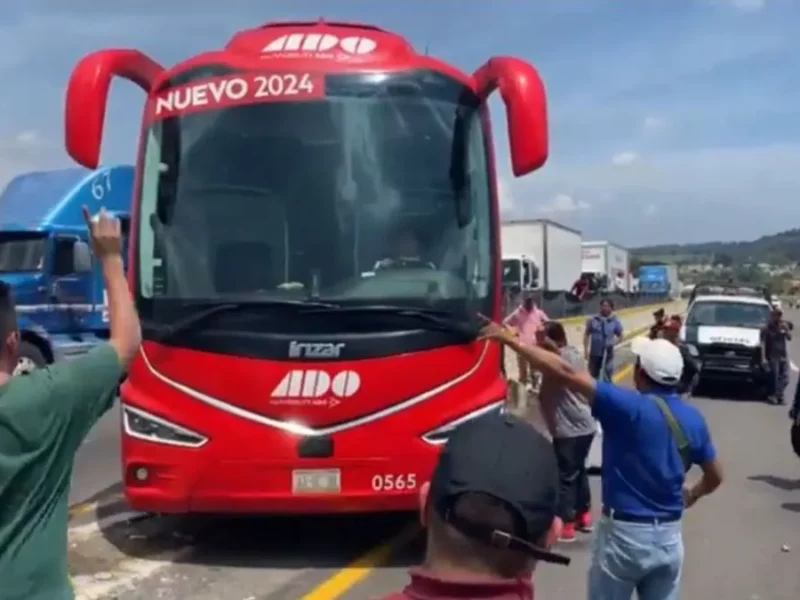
x: 45, y: 257
x: 659, y: 279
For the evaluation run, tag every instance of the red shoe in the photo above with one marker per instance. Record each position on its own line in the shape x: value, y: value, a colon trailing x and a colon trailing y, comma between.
x: 585, y: 522
x: 568, y: 533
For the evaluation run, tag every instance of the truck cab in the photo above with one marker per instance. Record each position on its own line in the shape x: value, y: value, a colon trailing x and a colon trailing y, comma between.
x: 46, y: 259
x: 520, y: 273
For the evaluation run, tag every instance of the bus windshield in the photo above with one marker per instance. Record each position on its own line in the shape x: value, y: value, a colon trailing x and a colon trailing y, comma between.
x: 378, y: 193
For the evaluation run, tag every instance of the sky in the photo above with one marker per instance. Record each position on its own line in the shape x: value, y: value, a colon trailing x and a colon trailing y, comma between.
x: 670, y: 121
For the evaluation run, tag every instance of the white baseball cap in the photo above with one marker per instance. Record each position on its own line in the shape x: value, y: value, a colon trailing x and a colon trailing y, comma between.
x: 660, y: 359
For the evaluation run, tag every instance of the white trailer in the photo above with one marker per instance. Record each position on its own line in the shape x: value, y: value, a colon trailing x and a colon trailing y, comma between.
x: 554, y: 248
x: 609, y: 259
x: 674, y: 281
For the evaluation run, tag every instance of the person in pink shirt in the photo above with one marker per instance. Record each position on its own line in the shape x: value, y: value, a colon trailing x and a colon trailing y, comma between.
x: 527, y: 321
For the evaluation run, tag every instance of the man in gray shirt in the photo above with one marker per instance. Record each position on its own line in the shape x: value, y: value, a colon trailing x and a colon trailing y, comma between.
x: 570, y: 421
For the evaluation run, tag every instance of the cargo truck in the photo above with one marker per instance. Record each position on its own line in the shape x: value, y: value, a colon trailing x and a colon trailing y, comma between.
x: 520, y: 273
x: 554, y: 248
x: 45, y: 258
x: 608, y: 260
x: 659, y: 279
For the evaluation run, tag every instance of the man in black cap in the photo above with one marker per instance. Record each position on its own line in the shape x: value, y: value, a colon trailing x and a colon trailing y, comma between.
x: 490, y: 513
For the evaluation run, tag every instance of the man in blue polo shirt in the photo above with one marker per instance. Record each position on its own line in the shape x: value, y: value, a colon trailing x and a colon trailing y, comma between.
x: 639, y: 545
x: 603, y: 331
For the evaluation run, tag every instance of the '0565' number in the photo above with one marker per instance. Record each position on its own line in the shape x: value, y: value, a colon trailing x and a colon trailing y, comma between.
x: 389, y: 482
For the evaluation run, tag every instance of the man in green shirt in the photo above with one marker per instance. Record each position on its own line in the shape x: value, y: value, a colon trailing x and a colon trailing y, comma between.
x: 44, y: 417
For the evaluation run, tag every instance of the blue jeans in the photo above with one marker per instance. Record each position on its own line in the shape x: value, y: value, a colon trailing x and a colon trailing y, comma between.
x: 639, y: 557
x: 779, y: 373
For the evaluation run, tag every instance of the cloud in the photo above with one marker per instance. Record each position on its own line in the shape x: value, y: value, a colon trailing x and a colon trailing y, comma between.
x: 27, y: 151
x: 623, y: 159
x: 30, y: 139
x: 505, y: 197
x: 652, y: 123
x: 749, y: 5
x: 729, y: 193
x: 563, y: 203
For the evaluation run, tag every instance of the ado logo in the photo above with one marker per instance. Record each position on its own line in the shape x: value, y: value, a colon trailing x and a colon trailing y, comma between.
x: 320, y: 42
x: 315, y: 388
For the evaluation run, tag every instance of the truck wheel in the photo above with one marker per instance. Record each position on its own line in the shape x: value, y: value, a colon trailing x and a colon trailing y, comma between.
x: 30, y: 358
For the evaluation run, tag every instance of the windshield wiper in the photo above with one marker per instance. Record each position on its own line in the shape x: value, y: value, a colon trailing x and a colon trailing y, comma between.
x: 209, y: 311
x: 441, y: 320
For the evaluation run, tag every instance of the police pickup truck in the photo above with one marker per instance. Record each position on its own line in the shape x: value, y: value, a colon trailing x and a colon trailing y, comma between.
x: 725, y: 329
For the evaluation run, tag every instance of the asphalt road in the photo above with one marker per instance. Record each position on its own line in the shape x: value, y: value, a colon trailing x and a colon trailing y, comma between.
x: 735, y: 539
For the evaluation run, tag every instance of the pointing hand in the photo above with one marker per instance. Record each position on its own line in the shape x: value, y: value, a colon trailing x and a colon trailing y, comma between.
x: 105, y: 232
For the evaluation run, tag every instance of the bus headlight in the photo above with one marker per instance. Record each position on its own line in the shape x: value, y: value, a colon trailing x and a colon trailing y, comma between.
x: 150, y: 428
x: 441, y: 434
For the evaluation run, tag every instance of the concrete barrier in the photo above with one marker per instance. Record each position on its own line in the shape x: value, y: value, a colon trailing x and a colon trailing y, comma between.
x: 633, y: 320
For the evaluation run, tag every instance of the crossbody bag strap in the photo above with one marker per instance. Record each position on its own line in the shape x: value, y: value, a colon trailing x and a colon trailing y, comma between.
x: 677, y: 431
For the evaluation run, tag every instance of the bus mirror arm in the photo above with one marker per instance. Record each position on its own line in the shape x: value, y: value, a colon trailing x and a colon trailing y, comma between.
x: 524, y: 96
x: 87, y: 97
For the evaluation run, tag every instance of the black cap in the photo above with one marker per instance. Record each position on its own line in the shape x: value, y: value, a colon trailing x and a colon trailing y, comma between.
x: 503, y: 457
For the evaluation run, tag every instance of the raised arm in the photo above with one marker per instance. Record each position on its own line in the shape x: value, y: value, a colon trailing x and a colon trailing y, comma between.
x: 551, y: 365
x: 124, y: 323
x: 86, y: 387
x: 547, y: 403
x: 512, y: 320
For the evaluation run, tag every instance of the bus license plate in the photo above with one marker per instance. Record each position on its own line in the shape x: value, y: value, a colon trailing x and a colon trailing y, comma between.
x: 316, y: 481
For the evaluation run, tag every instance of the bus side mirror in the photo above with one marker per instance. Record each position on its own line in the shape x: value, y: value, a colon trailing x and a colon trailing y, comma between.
x: 81, y: 257
x: 524, y: 95
x: 87, y: 96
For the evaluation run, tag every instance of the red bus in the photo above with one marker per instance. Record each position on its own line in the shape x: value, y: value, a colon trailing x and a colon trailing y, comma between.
x: 315, y: 226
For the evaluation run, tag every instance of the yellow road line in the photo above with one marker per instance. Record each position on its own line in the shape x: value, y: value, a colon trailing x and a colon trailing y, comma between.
x: 623, y: 373
x: 358, y: 570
